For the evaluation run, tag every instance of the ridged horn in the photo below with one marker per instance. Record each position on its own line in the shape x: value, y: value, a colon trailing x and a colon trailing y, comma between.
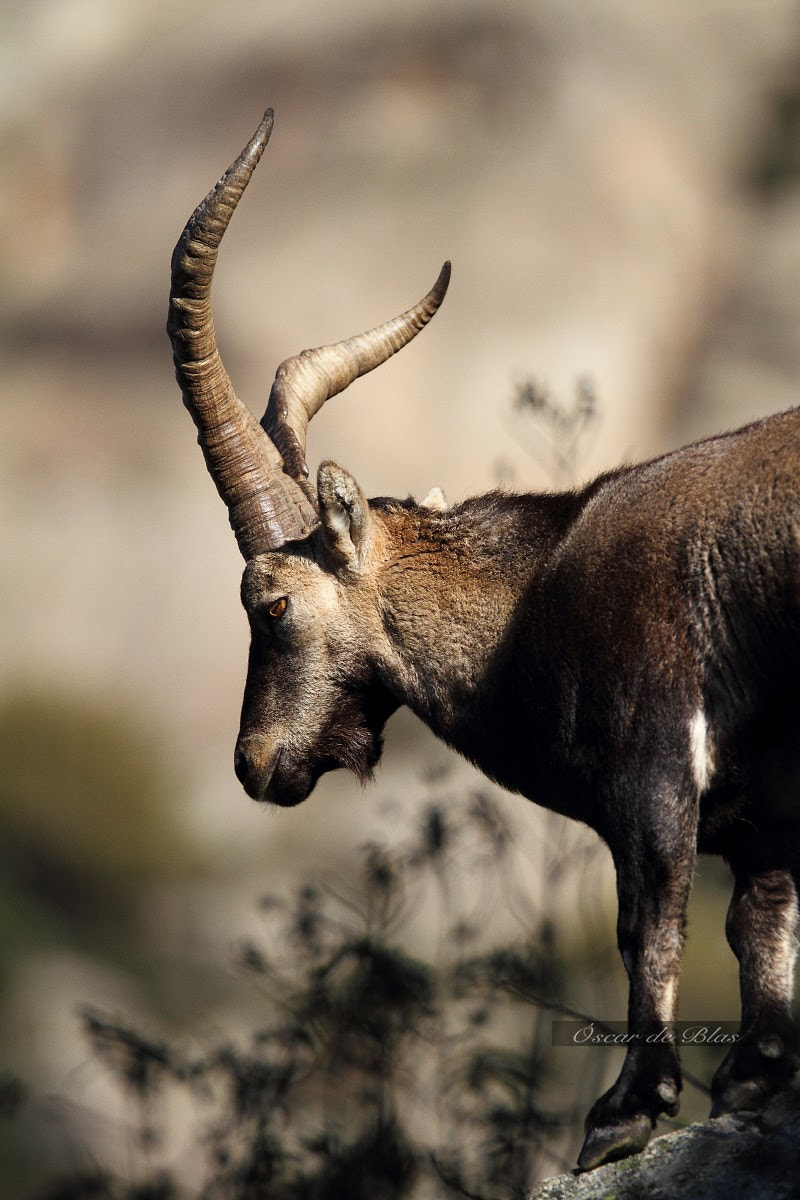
x: 304, y: 382
x: 267, y: 508
x: 260, y: 470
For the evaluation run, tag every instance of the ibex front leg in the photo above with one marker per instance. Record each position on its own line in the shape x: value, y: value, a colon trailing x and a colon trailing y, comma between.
x: 762, y: 929
x: 654, y: 855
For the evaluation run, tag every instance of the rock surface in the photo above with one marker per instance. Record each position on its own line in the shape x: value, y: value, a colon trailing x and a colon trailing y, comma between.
x: 753, y: 1156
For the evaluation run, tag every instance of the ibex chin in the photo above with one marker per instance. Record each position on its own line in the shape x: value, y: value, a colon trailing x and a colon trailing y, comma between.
x: 627, y: 654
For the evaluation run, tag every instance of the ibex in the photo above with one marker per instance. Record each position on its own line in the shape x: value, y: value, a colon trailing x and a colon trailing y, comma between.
x: 627, y: 654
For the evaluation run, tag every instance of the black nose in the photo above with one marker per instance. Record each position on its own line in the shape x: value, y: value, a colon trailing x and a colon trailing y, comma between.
x: 254, y: 762
x: 241, y: 764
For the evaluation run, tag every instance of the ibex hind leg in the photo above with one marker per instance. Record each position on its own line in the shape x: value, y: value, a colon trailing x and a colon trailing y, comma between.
x: 763, y: 929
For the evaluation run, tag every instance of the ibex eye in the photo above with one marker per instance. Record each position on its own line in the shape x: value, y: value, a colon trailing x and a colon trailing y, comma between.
x: 278, y: 607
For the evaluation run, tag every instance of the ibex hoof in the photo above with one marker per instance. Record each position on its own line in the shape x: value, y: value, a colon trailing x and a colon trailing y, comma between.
x: 744, y: 1095
x: 607, y: 1143
x: 755, y: 1070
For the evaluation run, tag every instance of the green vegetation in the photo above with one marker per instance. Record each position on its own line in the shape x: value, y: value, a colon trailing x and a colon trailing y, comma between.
x: 85, y: 821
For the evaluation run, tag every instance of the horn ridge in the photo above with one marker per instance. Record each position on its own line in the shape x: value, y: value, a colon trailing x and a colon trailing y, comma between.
x: 259, y: 469
x: 306, y: 381
x: 265, y: 506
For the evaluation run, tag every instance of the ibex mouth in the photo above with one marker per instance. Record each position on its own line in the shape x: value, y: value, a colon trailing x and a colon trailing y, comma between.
x: 289, y: 792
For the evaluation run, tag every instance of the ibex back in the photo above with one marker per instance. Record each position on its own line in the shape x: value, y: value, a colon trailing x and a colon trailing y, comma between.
x: 627, y: 654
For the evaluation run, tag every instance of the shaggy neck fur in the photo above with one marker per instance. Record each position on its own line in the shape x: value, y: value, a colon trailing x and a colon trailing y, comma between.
x: 451, y: 589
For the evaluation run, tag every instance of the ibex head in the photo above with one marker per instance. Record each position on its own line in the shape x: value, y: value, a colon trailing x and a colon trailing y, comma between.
x: 314, y: 697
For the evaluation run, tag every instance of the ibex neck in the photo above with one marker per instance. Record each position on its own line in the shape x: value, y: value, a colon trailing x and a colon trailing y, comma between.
x: 451, y: 594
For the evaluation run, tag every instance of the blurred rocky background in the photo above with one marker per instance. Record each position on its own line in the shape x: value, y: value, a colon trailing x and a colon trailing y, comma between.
x: 618, y: 186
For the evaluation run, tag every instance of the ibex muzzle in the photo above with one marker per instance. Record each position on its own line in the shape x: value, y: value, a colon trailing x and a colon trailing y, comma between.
x: 627, y: 654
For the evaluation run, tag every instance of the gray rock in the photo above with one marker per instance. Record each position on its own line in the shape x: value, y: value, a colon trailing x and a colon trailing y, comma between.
x: 750, y: 1155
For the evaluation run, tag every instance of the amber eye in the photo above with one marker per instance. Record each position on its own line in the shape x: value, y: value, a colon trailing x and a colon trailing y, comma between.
x: 278, y: 607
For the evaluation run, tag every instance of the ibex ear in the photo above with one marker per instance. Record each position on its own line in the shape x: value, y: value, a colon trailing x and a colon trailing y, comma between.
x: 344, y: 514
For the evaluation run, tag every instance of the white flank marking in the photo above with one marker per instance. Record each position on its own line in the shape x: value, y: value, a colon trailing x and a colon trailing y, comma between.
x: 700, y: 751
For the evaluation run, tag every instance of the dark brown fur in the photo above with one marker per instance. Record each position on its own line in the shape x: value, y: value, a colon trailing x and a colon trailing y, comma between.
x: 627, y: 654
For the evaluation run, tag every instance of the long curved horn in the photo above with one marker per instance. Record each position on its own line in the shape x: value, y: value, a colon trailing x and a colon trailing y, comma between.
x: 267, y: 508
x: 304, y: 382
x: 260, y: 470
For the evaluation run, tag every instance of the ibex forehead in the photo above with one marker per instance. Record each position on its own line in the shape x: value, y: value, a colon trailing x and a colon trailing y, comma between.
x: 276, y: 571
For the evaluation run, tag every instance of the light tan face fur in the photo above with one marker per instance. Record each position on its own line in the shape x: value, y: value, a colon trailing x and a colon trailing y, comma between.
x: 314, y: 698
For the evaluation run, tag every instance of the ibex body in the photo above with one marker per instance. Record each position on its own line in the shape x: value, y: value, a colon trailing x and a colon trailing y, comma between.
x: 627, y: 654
